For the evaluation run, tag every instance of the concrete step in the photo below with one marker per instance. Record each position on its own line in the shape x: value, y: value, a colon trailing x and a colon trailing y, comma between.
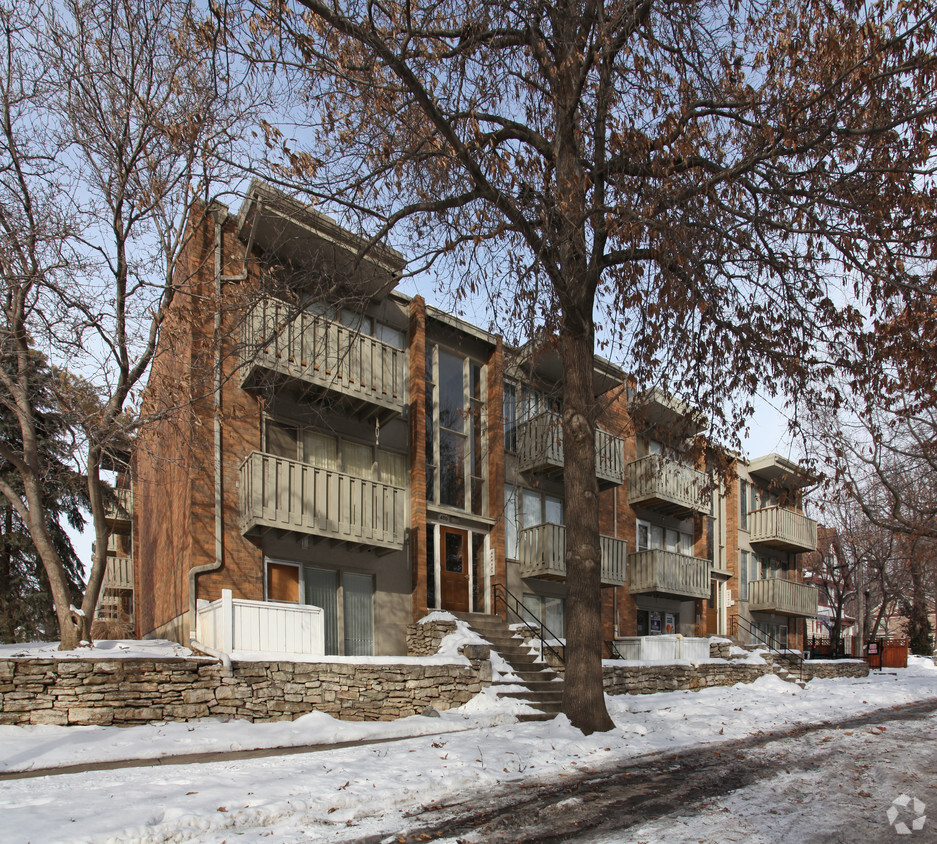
x: 536, y: 716
x: 538, y: 697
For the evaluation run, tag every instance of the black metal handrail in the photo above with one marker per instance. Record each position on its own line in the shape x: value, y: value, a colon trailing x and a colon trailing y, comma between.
x: 791, y: 656
x: 513, y: 606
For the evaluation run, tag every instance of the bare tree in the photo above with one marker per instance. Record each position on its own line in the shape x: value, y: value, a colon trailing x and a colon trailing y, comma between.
x: 717, y: 181
x: 141, y: 119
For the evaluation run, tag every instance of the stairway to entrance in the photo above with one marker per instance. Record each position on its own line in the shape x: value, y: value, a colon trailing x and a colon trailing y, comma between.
x: 544, y: 687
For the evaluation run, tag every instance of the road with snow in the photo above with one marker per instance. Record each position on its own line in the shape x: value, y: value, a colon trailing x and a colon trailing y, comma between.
x: 809, y: 784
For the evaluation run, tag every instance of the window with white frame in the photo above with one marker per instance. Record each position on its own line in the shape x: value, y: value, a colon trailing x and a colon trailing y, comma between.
x: 651, y: 537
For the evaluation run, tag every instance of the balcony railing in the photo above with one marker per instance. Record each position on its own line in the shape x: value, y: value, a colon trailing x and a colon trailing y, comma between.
x: 118, y: 574
x: 668, y: 486
x: 543, y: 554
x: 785, y: 597
x: 120, y: 512
x: 279, y: 493
x: 668, y: 573
x: 783, y: 528
x: 540, y: 449
x: 326, y: 354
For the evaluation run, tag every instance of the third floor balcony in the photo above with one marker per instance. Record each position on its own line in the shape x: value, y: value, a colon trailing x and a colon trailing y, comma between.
x: 363, y: 374
x: 540, y: 449
x: 667, y: 486
x: 782, y: 528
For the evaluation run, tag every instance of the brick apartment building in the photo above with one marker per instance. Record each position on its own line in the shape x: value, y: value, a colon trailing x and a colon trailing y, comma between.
x: 322, y: 439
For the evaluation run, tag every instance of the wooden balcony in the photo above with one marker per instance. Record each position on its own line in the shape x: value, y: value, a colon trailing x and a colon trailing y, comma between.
x: 667, y: 486
x: 668, y: 573
x: 783, y: 528
x: 540, y: 449
x: 785, y: 597
x: 118, y: 574
x: 543, y: 554
x: 366, y: 376
x: 276, y: 493
x: 120, y: 513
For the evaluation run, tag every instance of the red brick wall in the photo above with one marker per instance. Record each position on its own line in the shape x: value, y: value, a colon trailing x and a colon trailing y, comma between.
x: 417, y: 394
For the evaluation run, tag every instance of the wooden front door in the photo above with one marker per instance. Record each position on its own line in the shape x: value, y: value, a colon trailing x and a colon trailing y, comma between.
x: 454, y: 569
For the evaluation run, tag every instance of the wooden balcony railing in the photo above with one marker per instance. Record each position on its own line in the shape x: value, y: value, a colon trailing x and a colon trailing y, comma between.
x: 668, y: 573
x: 543, y: 554
x: 290, y: 495
x: 540, y: 449
x: 118, y: 574
x: 668, y: 486
x: 120, y: 513
x: 783, y: 528
x: 782, y: 596
x: 319, y: 351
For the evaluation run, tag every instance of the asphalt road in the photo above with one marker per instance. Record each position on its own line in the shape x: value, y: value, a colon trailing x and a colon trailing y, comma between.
x: 824, y: 783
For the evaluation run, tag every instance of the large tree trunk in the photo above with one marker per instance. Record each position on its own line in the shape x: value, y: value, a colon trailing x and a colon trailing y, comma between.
x: 7, y: 627
x: 583, y: 696
x: 919, y: 629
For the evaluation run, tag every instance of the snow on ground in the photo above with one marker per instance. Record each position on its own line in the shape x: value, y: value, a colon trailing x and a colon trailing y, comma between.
x: 381, y: 789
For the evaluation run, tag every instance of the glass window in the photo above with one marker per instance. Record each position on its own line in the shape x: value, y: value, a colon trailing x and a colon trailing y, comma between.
x: 281, y: 440
x: 743, y: 504
x: 510, y: 417
x: 393, y: 467
x: 654, y: 447
x: 478, y: 572
x: 530, y: 508
x: 358, y: 460
x: 686, y: 545
x: 743, y: 575
x: 552, y: 510
x: 672, y: 540
x: 451, y: 392
x: 511, y: 548
x: 455, y: 553
x: 451, y: 469
x: 320, y: 450
x: 392, y: 336
x: 430, y: 566
x: 546, y: 610
x: 322, y: 591
x: 644, y: 536
x: 657, y: 537
x: 358, y: 612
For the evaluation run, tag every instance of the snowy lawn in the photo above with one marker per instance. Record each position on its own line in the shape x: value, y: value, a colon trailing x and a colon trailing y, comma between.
x: 382, y: 788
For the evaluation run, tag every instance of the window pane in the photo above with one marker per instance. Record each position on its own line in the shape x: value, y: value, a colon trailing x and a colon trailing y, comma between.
x: 743, y: 505
x: 358, y: 460
x: 354, y: 320
x: 657, y: 537
x: 553, y: 616
x: 392, y: 336
x: 686, y: 544
x: 475, y: 382
x: 743, y: 575
x: 478, y: 572
x: 478, y: 496
x: 393, y: 467
x: 322, y: 591
x: 510, y: 417
x: 644, y: 540
x: 672, y: 540
x: 553, y: 509
x: 451, y: 469
x: 510, y: 522
x: 654, y: 447
x: 320, y: 450
x: 451, y: 392
x: 530, y: 509
x: 532, y: 605
x: 281, y: 440
x: 455, y: 553
x: 357, y: 603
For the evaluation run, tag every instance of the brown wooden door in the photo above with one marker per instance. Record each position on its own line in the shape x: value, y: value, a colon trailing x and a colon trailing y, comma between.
x: 454, y: 569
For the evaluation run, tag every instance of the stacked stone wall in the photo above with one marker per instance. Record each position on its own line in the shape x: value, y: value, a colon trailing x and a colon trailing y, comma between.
x: 424, y: 639
x: 828, y: 669
x: 130, y: 691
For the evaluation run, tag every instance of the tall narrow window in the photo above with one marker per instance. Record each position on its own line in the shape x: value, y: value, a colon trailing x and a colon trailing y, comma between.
x: 511, y: 547
x: 430, y: 566
x: 358, y: 612
x: 743, y: 575
x: 510, y: 417
x: 743, y: 504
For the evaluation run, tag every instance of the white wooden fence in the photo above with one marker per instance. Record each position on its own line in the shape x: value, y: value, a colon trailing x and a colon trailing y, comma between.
x: 234, y: 624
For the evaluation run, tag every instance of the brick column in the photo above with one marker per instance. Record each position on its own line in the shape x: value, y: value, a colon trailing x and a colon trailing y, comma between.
x: 417, y: 394
x: 496, y: 465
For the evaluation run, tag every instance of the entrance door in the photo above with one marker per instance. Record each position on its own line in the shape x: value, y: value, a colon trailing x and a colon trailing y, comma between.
x: 454, y: 569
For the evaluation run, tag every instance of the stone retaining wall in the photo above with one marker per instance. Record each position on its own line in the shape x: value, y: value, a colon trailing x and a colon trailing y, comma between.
x: 829, y: 668
x: 135, y: 691
x: 423, y: 639
x: 646, y: 680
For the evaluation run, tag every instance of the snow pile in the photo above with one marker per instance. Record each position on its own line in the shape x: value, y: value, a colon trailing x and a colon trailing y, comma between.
x: 101, y: 649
